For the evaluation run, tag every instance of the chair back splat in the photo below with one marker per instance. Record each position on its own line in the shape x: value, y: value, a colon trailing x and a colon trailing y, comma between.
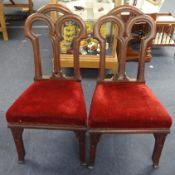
x: 125, y: 17
x: 55, y: 29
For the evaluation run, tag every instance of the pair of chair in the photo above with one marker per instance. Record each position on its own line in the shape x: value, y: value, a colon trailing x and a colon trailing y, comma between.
x: 119, y: 105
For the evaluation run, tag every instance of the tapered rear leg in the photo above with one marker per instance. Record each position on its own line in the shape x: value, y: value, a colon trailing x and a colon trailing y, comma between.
x: 158, y: 147
x: 17, y: 136
x: 81, y: 136
x: 94, y: 139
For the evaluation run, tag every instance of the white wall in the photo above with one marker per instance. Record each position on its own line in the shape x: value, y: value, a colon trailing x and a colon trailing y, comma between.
x: 168, y: 6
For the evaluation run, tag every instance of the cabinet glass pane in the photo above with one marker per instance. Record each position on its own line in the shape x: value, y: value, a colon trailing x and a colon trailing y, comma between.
x: 90, y: 11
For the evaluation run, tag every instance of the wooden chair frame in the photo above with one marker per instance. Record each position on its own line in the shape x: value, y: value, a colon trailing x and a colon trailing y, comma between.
x: 3, y: 27
x: 124, y: 36
x: 54, y: 34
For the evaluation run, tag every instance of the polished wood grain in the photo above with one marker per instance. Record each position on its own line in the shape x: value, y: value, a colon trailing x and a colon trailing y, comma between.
x: 54, y: 34
x: 124, y: 36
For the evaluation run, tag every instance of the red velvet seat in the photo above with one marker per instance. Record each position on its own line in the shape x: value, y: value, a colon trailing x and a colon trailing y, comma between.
x: 50, y: 102
x: 127, y: 105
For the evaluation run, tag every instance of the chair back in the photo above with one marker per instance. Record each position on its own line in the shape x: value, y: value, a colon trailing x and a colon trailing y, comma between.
x: 55, y: 35
x: 124, y: 35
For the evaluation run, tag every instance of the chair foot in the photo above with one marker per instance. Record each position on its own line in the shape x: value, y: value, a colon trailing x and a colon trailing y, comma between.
x: 91, y: 167
x: 83, y: 164
x: 155, y: 166
x: 94, y: 139
x: 82, y: 146
x: 158, y: 147
x: 17, y: 136
x: 21, y: 161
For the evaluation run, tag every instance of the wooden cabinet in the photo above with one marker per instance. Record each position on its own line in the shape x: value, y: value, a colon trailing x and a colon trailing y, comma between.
x: 165, y: 34
x: 90, y: 15
x: 3, y: 28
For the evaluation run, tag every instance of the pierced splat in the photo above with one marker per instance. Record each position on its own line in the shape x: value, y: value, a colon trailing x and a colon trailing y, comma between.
x: 124, y: 37
x: 55, y: 37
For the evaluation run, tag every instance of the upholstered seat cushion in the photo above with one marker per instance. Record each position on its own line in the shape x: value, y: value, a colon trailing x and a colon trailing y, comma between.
x: 50, y: 102
x: 127, y: 105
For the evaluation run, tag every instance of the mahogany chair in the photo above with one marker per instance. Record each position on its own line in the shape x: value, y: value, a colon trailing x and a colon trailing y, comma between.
x: 53, y: 102
x: 121, y: 104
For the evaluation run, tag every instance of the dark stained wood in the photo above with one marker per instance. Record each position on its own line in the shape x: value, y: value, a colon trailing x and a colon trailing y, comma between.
x: 159, y: 143
x: 35, y: 39
x: 125, y: 26
x: 101, y: 40
x: 129, y: 131
x: 46, y: 126
x: 54, y: 34
x: 94, y: 138
x: 17, y: 136
x: 77, y: 39
x: 124, y: 36
x: 55, y: 38
x: 82, y: 145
